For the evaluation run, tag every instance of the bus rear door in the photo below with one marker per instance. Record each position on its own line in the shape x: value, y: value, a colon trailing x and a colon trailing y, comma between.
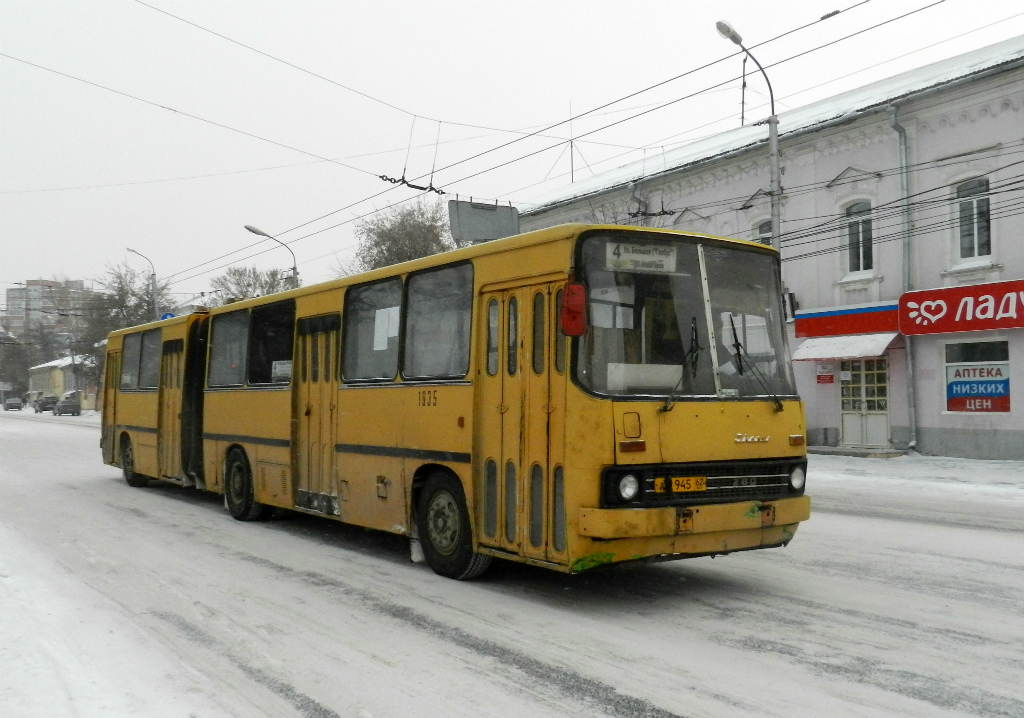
x: 316, y: 381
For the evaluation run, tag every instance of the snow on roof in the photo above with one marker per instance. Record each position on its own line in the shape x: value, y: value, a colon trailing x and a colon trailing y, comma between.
x: 845, y: 105
x: 61, y: 363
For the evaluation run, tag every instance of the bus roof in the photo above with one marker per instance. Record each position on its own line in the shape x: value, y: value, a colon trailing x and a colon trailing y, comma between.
x: 541, y: 236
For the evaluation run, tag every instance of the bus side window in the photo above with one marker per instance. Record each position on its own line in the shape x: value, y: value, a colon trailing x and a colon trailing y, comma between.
x: 271, y: 333
x: 130, y: 351
x: 513, y: 336
x: 439, y: 309
x: 492, y: 337
x: 227, y: 349
x: 149, y: 365
x: 372, y: 321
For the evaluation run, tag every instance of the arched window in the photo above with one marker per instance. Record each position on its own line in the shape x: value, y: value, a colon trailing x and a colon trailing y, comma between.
x: 763, y: 232
x: 972, y: 208
x: 858, y: 226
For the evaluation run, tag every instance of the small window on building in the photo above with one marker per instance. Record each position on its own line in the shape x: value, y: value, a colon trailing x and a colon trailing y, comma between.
x: 373, y: 315
x: 130, y: 351
x: 763, y: 232
x: 227, y: 349
x: 858, y: 227
x: 271, y: 332
x: 972, y: 209
x: 978, y: 377
x: 149, y: 365
x: 437, y: 326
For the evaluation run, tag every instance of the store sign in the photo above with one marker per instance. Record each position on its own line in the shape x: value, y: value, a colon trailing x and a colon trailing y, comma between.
x: 826, y: 374
x: 978, y: 387
x: 999, y: 305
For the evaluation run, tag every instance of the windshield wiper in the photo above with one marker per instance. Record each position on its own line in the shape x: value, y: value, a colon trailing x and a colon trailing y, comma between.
x: 742, y: 352
x: 693, y: 355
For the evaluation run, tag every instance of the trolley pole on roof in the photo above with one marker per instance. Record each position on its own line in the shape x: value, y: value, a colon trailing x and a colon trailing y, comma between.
x: 295, y: 268
x: 726, y: 31
x: 152, y: 282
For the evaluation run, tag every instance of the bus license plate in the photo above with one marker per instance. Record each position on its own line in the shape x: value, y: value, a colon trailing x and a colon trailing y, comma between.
x: 679, y: 484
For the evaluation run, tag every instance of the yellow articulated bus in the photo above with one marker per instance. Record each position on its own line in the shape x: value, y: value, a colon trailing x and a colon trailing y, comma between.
x: 572, y: 397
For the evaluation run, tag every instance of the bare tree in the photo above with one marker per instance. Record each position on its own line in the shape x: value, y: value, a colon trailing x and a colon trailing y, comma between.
x: 401, y: 234
x: 247, y: 282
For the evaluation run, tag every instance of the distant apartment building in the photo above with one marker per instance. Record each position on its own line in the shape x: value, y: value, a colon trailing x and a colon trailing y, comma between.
x: 47, y: 301
x: 902, y: 247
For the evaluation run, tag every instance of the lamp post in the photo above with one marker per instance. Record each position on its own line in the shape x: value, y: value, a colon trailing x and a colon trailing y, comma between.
x: 726, y: 31
x: 152, y: 282
x: 295, y: 268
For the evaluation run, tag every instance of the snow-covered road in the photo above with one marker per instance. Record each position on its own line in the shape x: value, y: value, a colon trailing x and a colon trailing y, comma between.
x: 902, y: 596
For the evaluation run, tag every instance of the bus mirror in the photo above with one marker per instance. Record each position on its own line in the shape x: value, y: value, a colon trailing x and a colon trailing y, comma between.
x: 574, y: 310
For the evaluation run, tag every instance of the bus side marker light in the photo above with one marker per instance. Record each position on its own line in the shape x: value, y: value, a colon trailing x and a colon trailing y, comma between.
x: 796, y: 439
x: 573, y: 312
x: 630, y: 446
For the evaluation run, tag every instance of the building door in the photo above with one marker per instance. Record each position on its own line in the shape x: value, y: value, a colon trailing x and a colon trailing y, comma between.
x: 172, y: 369
x: 515, y: 483
x: 316, y: 384
x: 864, y: 402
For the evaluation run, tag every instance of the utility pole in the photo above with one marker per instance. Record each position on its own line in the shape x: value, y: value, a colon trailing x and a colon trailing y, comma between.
x: 152, y: 282
x: 295, y: 268
x: 726, y: 31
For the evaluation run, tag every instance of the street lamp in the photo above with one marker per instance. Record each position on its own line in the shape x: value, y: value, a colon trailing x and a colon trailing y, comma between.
x: 726, y: 31
x: 152, y: 281
x: 295, y: 268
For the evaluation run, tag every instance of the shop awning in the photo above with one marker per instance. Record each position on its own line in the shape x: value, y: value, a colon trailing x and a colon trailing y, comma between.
x: 853, y: 346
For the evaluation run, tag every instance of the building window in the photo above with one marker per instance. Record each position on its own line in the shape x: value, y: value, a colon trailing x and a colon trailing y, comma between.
x: 763, y: 232
x: 858, y: 226
x: 972, y: 210
x: 978, y: 377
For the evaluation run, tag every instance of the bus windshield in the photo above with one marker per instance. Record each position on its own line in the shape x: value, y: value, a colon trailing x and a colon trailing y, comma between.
x: 650, y: 302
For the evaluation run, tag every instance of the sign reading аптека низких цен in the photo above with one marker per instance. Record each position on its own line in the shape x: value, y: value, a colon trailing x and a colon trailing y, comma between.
x: 978, y: 387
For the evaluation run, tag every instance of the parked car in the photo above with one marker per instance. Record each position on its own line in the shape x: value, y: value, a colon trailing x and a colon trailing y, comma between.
x: 45, y: 403
x: 67, y: 405
x: 13, y: 404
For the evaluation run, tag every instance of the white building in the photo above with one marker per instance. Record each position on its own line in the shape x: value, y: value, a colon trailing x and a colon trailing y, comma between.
x: 927, y: 164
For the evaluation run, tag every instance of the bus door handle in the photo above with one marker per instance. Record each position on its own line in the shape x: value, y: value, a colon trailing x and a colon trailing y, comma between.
x: 309, y: 409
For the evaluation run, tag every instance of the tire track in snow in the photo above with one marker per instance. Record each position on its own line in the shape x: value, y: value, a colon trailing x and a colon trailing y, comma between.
x: 566, y: 683
x: 304, y: 704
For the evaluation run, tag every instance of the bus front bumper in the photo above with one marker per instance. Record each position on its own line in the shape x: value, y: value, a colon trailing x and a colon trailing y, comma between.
x: 676, y: 521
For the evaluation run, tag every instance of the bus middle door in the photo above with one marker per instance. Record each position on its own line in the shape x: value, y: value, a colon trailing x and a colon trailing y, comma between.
x: 316, y: 382
x: 169, y: 421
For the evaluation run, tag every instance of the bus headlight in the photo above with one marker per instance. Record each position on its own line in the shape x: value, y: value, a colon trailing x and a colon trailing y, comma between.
x: 797, y: 478
x: 629, y: 487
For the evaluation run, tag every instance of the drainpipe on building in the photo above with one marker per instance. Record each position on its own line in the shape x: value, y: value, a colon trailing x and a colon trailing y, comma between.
x: 907, y: 280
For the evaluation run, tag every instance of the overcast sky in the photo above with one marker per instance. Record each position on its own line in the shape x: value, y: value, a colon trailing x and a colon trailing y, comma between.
x: 208, y: 136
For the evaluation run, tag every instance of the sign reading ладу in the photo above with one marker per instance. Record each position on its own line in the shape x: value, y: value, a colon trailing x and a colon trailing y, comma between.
x: 998, y: 305
x: 978, y: 387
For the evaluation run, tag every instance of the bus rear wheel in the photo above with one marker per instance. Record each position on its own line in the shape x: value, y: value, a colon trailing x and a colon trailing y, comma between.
x: 238, y: 489
x: 444, y: 530
x: 128, y: 465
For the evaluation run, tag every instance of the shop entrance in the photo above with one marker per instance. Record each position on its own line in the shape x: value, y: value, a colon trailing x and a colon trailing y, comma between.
x: 864, y: 397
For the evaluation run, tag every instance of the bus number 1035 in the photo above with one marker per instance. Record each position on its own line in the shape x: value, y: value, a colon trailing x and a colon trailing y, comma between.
x: 428, y: 397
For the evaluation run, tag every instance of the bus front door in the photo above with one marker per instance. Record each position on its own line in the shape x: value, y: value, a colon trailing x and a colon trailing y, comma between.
x: 316, y: 381
x: 169, y: 421
x: 514, y: 412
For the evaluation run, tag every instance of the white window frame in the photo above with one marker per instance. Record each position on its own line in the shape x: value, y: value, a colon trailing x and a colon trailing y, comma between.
x: 957, y: 202
x: 849, y: 219
x: 756, y: 235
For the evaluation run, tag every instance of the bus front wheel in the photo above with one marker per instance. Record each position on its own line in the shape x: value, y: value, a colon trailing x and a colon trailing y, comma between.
x: 128, y: 465
x: 238, y: 489
x: 443, y: 525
